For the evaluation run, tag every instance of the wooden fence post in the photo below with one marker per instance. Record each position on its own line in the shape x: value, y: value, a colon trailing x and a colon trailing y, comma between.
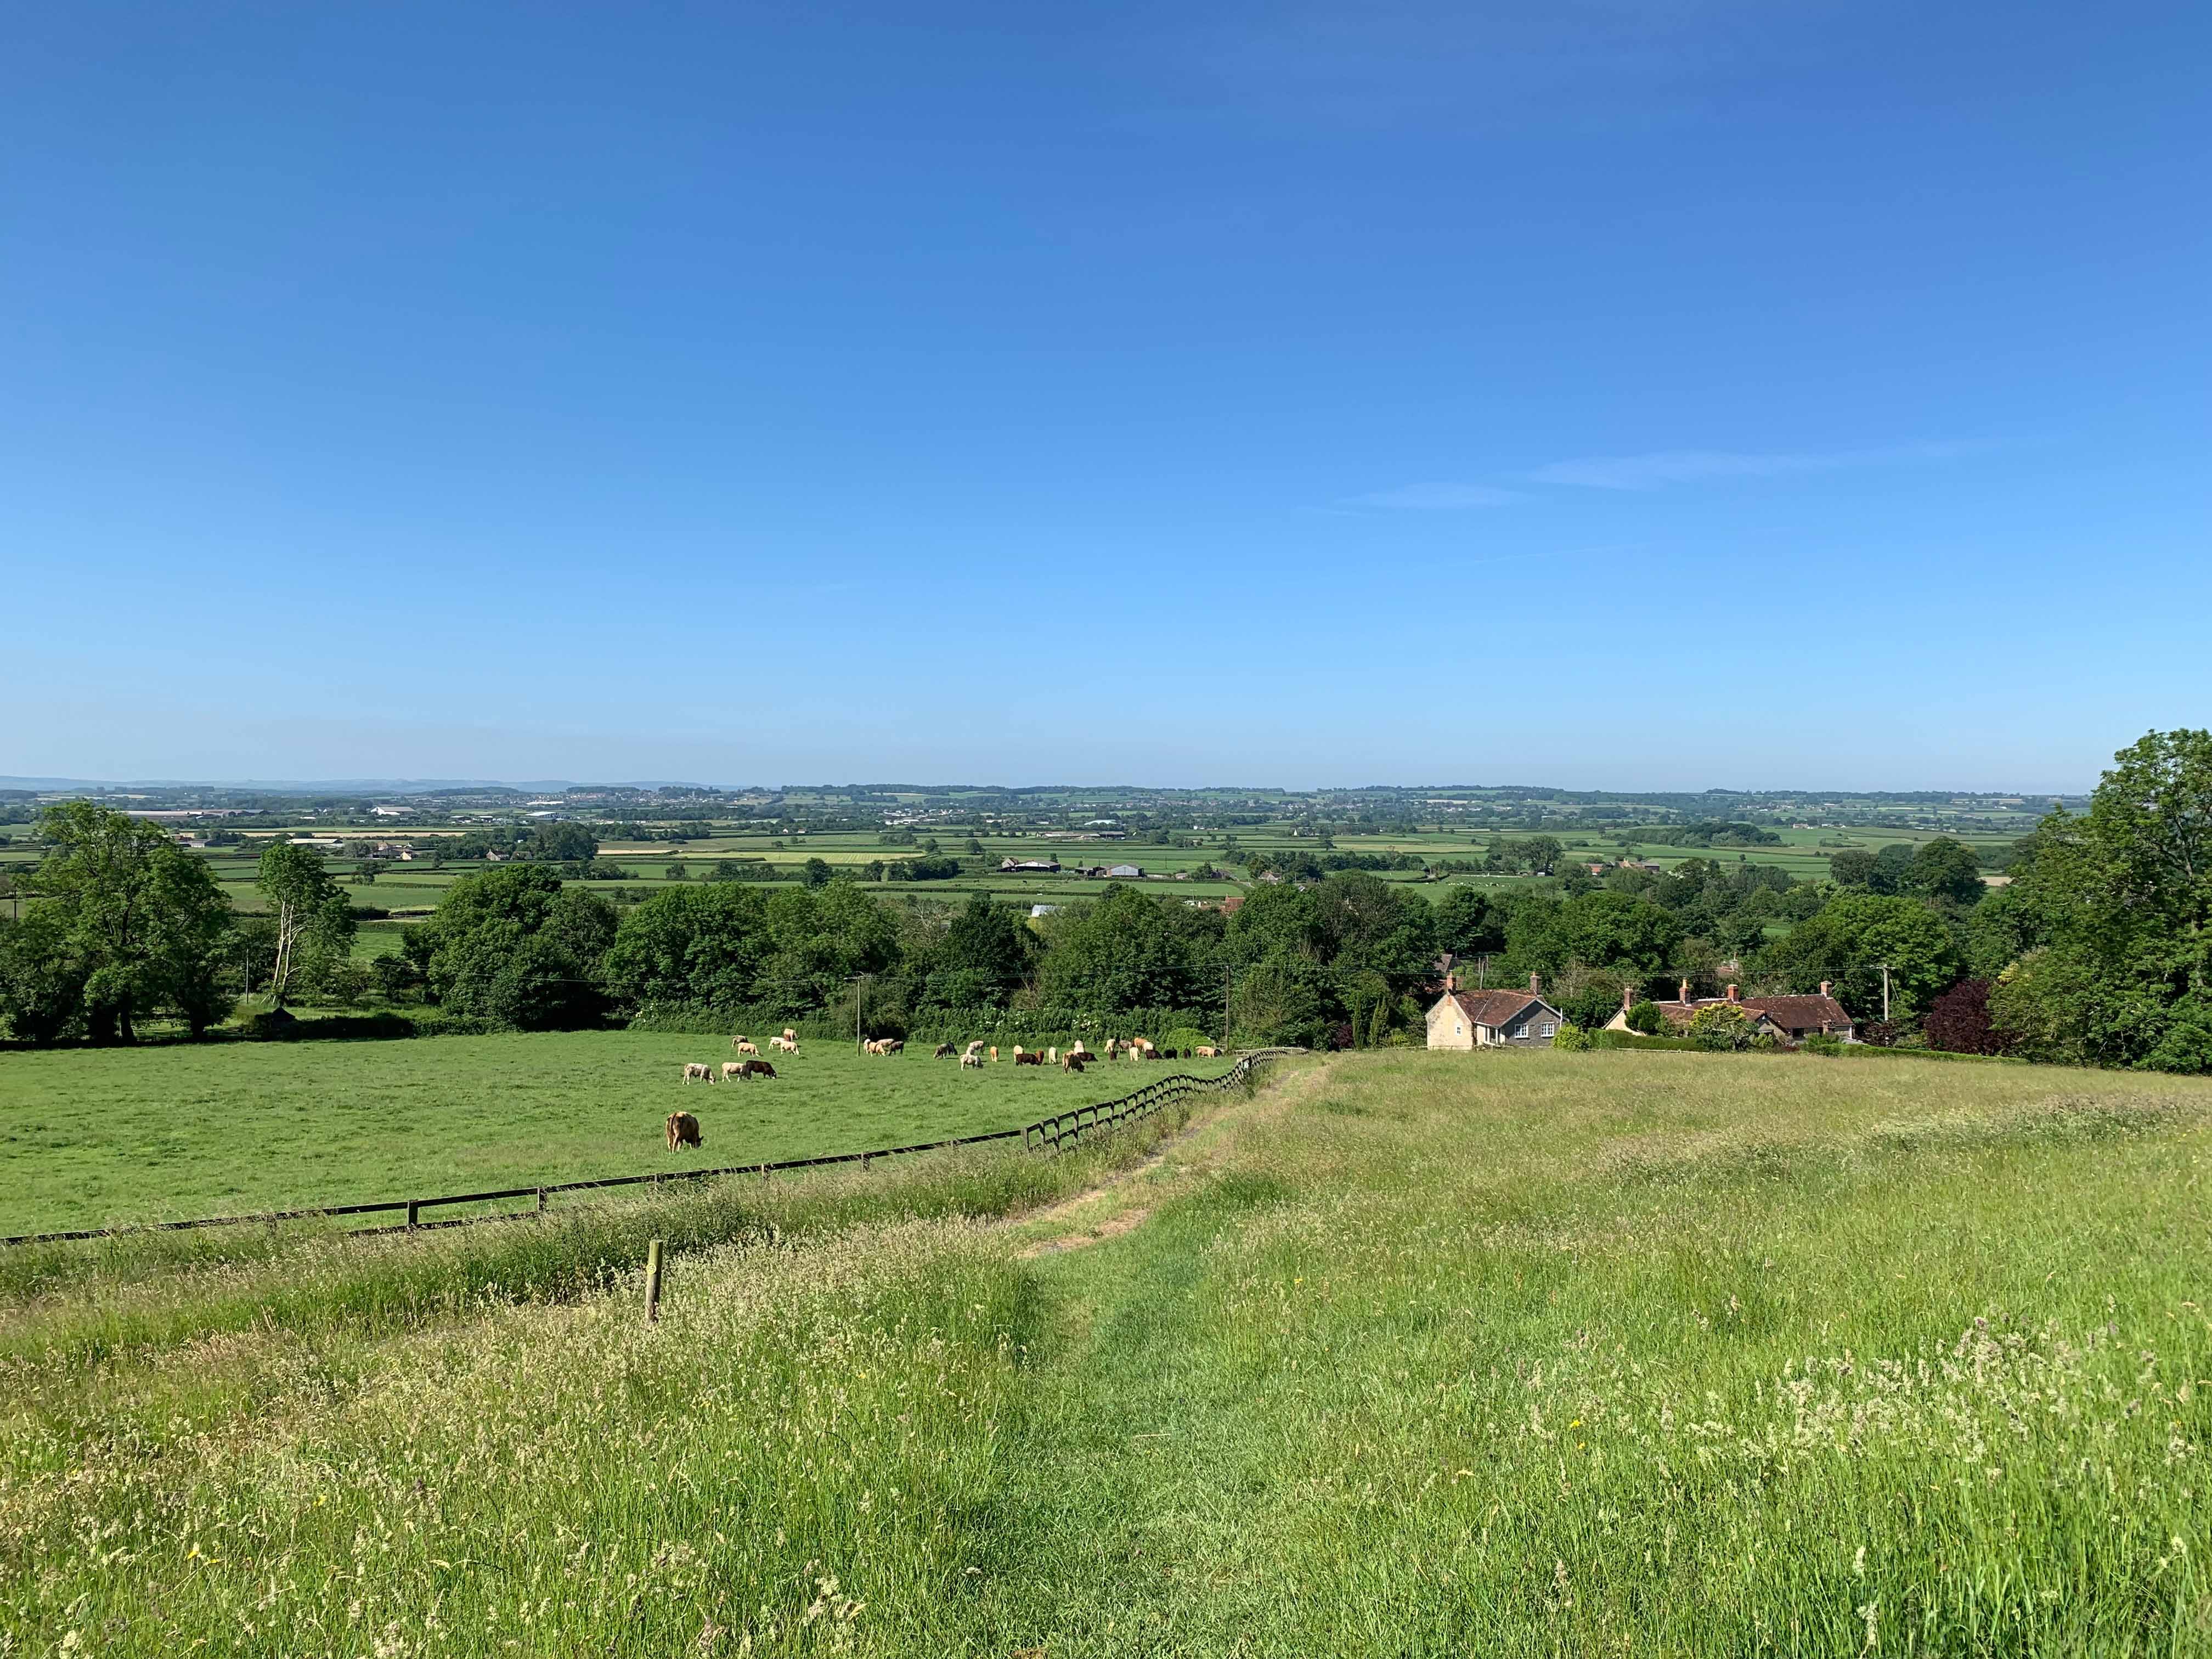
x: 541, y: 1200
x: 653, y: 1281
x: 414, y: 1212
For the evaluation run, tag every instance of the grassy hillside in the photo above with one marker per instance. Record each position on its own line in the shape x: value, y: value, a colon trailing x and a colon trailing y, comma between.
x: 1411, y: 1355
x: 91, y: 1137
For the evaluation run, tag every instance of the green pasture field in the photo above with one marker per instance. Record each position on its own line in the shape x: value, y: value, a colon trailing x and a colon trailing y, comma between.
x: 1411, y: 1355
x: 89, y: 1138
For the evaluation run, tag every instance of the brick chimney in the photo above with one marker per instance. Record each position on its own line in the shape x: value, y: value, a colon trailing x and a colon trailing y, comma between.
x: 1731, y: 994
x: 1535, y: 985
x: 1627, y: 998
x: 1683, y: 995
x: 1827, y: 989
x: 1451, y: 983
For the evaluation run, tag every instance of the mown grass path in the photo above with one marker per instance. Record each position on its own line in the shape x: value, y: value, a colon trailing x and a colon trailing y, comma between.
x: 1544, y: 1365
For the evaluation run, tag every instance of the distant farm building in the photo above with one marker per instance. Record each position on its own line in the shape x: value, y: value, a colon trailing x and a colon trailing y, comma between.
x: 1029, y: 867
x: 1125, y: 872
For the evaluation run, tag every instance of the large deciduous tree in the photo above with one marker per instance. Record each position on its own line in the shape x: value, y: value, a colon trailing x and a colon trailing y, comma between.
x: 1850, y: 940
x: 2116, y: 907
x: 306, y: 907
x: 511, y: 946
x: 124, y: 925
x: 705, y: 944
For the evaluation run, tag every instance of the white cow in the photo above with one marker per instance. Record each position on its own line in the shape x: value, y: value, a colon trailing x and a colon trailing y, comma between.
x: 703, y: 1073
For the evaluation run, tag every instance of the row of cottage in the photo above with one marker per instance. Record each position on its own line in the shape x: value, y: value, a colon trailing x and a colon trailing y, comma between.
x: 1485, y: 1019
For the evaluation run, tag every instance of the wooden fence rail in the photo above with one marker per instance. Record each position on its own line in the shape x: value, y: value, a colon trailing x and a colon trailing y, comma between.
x: 1049, y: 1135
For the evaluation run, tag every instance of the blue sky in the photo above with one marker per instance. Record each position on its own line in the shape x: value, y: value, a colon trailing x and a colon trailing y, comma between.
x: 1633, y: 395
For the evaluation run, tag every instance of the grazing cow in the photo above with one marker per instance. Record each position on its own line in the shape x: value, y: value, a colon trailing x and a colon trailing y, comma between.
x: 790, y: 1036
x: 1073, y: 1061
x: 976, y: 1060
x: 945, y: 1051
x: 1051, y: 1056
x: 1076, y: 1047
x: 684, y: 1130
x: 1168, y: 1054
x: 975, y: 1047
x: 733, y: 1070
x: 1141, y: 1048
x: 753, y: 1068
x: 995, y: 1053
x: 703, y: 1073
x: 789, y: 1045
x: 745, y: 1047
x: 1205, y: 1054
x: 1112, y: 1047
x: 739, y: 1042
x: 1031, y: 1058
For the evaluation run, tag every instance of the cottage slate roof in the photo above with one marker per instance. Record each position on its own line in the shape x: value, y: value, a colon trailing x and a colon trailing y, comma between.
x: 1496, y: 1008
x: 1807, y: 1013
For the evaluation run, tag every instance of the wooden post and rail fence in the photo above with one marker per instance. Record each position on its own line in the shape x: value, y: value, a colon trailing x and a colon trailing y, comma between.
x: 1047, y: 1134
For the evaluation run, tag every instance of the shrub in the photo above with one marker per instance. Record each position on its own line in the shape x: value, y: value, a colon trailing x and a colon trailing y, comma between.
x: 1721, y: 1028
x: 1823, y: 1042
x: 1573, y: 1039
x: 1646, y: 1018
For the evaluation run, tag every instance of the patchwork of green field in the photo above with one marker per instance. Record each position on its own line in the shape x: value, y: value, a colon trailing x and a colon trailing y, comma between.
x: 91, y: 1138
x: 414, y: 887
x: 1411, y: 1354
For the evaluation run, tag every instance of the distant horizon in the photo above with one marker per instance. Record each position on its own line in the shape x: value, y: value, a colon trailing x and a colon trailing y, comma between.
x: 418, y: 786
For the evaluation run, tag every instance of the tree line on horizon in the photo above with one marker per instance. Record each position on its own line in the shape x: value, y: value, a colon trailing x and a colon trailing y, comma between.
x: 2094, y: 952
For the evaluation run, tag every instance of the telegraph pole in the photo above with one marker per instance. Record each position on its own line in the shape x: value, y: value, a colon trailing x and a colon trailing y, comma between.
x: 1228, y: 989
x: 1885, y: 991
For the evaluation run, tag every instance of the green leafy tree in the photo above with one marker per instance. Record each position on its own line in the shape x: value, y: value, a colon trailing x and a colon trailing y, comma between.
x: 303, y: 900
x: 707, y: 945
x: 1893, y: 869
x: 1128, y: 950
x: 985, y: 954
x: 2118, y: 904
x: 1646, y: 1018
x: 1947, y: 870
x: 1849, y: 939
x: 514, y: 946
x: 1470, y: 922
x: 815, y: 872
x: 132, y: 925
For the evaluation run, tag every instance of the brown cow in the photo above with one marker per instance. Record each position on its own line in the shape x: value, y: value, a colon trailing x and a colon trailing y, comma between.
x: 753, y: 1068
x: 684, y: 1130
x: 945, y: 1051
x: 1071, y: 1061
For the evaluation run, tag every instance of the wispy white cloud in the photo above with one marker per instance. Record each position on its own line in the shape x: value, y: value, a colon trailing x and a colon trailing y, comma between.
x: 1436, y: 497
x: 1673, y: 466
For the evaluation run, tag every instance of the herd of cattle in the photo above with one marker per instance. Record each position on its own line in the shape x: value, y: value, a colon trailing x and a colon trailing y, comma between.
x: 977, y: 1054
x: 682, y: 1129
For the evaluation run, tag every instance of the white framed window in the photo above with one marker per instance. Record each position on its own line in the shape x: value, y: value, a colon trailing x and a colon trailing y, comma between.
x: 1548, y: 1029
